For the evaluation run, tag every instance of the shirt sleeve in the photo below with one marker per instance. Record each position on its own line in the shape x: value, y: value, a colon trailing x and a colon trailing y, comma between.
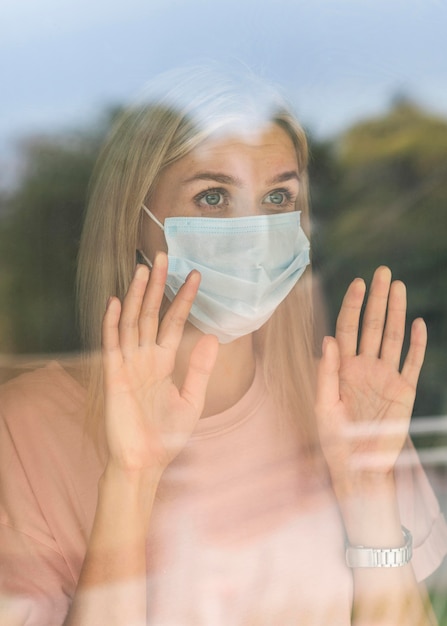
x: 420, y: 513
x: 35, y: 579
x: 32, y: 579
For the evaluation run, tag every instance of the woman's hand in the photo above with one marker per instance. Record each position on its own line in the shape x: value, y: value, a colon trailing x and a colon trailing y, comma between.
x: 364, y: 403
x: 147, y: 419
x: 364, y: 400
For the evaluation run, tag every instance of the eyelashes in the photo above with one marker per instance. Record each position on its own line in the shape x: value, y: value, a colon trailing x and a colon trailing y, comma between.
x: 281, y: 197
x: 218, y: 198
x: 213, y: 197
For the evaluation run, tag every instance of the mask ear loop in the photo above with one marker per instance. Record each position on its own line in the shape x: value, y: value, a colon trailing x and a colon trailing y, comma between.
x: 152, y: 217
x: 140, y: 253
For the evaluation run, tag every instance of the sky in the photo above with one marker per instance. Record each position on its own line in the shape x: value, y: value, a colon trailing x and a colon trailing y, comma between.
x: 62, y: 62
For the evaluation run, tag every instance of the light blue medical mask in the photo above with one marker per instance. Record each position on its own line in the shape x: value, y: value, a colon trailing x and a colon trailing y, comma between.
x: 248, y: 266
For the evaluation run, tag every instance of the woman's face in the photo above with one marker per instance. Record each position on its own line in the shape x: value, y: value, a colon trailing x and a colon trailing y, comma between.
x: 226, y: 177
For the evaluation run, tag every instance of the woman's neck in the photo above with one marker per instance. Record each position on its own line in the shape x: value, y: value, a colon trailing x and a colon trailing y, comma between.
x: 232, y: 375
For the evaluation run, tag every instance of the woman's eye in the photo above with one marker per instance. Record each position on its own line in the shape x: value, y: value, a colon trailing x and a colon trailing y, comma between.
x: 277, y: 197
x: 211, y: 198
x: 280, y: 198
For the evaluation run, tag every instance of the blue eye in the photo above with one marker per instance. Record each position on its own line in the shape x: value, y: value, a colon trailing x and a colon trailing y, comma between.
x: 277, y: 197
x: 283, y: 199
x: 214, y: 198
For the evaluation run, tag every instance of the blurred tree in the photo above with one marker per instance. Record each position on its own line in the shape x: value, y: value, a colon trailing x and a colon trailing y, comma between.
x: 42, y: 236
x: 39, y: 235
x: 392, y: 200
x: 325, y: 180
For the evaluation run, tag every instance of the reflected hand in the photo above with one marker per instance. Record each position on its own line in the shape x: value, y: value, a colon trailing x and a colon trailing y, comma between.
x: 364, y: 401
x: 148, y: 420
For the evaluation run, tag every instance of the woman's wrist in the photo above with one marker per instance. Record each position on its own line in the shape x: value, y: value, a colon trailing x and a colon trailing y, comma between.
x: 362, y: 483
x: 369, y: 509
x: 128, y: 495
x: 135, y: 479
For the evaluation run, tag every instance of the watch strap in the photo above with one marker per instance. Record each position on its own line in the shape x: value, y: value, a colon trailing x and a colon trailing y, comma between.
x: 360, y: 556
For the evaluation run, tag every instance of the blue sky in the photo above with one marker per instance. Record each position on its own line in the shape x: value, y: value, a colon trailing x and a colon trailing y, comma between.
x: 63, y: 61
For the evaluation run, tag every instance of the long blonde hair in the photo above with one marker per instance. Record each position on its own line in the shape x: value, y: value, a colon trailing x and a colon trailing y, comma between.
x: 185, y: 107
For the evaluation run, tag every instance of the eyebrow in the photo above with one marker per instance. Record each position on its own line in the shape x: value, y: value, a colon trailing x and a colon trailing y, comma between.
x: 225, y: 179
x: 218, y: 177
x: 284, y: 177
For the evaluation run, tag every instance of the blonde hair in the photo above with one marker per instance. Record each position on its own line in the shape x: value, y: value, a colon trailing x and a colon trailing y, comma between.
x: 185, y: 107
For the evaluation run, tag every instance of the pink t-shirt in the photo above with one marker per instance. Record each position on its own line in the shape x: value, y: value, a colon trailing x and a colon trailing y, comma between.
x: 241, y: 533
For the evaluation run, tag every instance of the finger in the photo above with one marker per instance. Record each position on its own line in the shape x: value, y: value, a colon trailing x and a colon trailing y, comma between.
x: 173, y: 323
x: 347, y: 328
x: 416, y: 352
x: 150, y: 309
x: 375, y: 313
x: 111, y: 351
x: 328, y: 382
x: 393, y: 336
x: 130, y: 310
x: 201, y: 363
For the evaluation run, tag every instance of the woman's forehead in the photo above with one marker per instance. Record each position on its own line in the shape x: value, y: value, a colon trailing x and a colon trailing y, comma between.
x: 263, y: 157
x: 269, y: 138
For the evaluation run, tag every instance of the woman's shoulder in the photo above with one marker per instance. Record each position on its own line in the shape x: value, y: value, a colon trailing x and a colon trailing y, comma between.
x: 49, y: 467
x: 42, y: 410
x: 40, y: 389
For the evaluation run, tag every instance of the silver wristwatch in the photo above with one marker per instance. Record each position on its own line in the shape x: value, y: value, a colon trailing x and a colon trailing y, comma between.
x: 359, y: 556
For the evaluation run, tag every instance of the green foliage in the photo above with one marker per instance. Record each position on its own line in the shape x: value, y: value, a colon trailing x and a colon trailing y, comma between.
x: 39, y: 240
x: 40, y: 227
x: 390, y: 208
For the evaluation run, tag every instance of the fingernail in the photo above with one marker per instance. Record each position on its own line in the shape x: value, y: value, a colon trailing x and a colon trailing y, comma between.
x: 192, y: 273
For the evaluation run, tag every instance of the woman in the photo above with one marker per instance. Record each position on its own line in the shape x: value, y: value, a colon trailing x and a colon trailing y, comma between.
x: 207, y: 489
